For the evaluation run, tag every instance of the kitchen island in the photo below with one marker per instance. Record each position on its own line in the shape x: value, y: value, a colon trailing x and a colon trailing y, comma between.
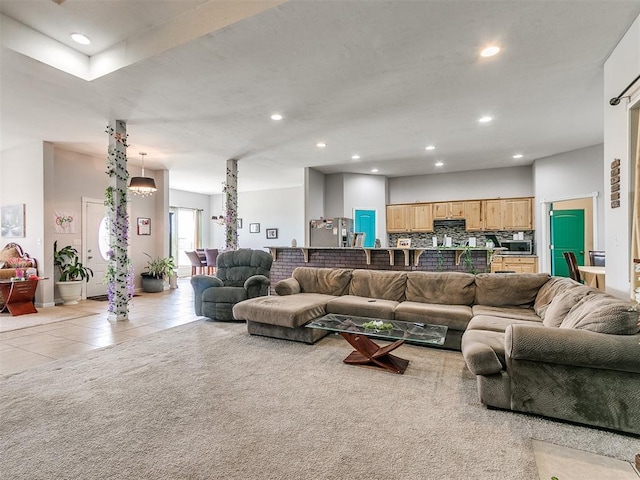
x: 434, y: 259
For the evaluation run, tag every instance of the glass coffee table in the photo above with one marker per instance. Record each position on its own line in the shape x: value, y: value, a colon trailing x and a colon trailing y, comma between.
x: 357, y: 330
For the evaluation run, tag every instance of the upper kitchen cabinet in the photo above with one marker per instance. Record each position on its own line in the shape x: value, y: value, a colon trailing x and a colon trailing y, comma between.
x: 508, y: 214
x: 518, y: 214
x: 473, y: 215
x: 409, y: 218
x: 448, y: 210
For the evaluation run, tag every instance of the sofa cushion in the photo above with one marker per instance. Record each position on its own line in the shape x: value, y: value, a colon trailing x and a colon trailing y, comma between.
x: 224, y: 294
x: 563, y: 302
x: 456, y: 317
x: 602, y: 314
x: 483, y: 351
x: 289, y: 311
x: 549, y: 291
x: 496, y: 324
x: 500, y: 290
x: 362, y: 307
x: 385, y: 285
x: 453, y: 288
x: 507, y: 312
x: 327, y: 281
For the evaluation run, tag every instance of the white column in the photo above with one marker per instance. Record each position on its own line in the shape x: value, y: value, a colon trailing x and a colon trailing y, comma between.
x: 231, y: 197
x: 116, y: 200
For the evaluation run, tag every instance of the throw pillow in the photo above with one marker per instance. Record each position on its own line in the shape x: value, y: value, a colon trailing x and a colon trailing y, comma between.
x: 561, y: 304
x: 7, y: 253
x: 603, y: 314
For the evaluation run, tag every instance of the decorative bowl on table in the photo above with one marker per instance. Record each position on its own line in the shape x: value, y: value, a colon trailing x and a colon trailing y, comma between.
x: 377, y: 326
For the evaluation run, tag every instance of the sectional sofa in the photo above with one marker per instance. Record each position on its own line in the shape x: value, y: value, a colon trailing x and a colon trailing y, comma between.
x: 537, y: 344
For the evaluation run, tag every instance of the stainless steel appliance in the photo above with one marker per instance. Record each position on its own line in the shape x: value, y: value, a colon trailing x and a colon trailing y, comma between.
x: 516, y: 247
x: 331, y: 232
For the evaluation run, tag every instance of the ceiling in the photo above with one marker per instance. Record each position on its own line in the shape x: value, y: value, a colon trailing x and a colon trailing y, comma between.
x: 197, y: 80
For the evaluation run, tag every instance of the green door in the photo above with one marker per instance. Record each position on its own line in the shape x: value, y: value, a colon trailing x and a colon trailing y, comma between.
x: 567, y: 234
x: 365, y: 221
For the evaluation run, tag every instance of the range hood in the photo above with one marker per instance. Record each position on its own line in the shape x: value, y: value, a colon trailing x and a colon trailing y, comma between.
x: 449, y: 223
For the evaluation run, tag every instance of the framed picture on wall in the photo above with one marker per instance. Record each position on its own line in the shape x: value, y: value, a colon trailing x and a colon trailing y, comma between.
x: 272, y: 233
x: 403, y: 243
x: 254, y: 228
x: 12, y: 222
x: 144, y: 226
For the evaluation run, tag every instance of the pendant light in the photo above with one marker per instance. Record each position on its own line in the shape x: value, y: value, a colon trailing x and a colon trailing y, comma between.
x: 142, y: 185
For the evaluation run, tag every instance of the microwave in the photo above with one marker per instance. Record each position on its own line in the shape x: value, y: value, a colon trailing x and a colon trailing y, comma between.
x: 516, y: 247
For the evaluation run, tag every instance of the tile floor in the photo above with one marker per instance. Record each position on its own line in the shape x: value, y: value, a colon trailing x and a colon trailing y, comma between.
x: 149, y: 313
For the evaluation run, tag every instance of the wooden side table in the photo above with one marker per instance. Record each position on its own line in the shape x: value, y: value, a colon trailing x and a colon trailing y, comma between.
x: 18, y: 296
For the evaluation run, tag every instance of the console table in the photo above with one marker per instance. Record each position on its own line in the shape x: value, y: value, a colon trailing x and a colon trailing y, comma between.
x: 18, y: 296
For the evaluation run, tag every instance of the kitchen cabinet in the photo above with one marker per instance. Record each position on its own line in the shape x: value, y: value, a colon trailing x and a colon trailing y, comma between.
x: 515, y: 264
x: 448, y: 210
x: 409, y: 218
x: 473, y: 215
x: 517, y: 214
x: 508, y: 214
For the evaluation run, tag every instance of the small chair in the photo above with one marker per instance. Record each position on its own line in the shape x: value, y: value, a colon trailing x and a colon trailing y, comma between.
x: 240, y: 275
x: 211, y: 255
x: 596, y: 257
x: 197, y: 264
x: 572, y: 263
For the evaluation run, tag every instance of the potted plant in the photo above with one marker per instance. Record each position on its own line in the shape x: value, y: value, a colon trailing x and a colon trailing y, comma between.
x: 157, y: 271
x: 72, y: 273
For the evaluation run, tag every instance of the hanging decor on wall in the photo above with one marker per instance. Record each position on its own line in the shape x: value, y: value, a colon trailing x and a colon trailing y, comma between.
x: 615, y: 183
x: 64, y: 222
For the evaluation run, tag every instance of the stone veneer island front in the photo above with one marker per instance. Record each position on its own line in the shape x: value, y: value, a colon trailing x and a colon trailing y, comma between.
x: 444, y: 259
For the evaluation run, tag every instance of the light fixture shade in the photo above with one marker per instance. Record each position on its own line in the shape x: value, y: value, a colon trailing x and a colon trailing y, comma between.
x: 142, y: 185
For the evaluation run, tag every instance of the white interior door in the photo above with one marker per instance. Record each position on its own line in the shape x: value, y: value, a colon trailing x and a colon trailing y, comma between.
x: 95, y: 246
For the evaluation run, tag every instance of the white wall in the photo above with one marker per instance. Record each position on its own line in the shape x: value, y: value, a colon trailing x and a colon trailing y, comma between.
x: 334, y: 195
x: 492, y: 183
x: 21, y: 171
x: 314, y: 199
x: 569, y: 175
x: 620, y: 69
x: 279, y: 208
x: 367, y: 192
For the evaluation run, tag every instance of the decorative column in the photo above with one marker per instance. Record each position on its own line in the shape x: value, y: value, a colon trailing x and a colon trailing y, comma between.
x: 119, y: 273
x: 231, y: 199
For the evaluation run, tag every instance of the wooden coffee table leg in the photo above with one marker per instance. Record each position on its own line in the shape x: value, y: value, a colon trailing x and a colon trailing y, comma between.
x: 370, y: 354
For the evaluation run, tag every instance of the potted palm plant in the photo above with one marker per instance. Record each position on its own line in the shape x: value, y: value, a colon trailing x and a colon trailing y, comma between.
x: 72, y: 273
x: 157, y: 271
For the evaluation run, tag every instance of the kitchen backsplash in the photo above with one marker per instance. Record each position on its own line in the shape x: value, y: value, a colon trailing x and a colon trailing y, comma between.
x: 459, y: 237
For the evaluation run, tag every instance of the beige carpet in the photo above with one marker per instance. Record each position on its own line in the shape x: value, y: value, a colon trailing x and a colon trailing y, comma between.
x: 50, y: 315
x: 207, y: 401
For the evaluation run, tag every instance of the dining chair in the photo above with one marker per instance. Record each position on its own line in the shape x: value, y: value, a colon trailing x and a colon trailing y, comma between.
x: 596, y: 257
x: 211, y: 255
x: 197, y: 263
x: 572, y: 263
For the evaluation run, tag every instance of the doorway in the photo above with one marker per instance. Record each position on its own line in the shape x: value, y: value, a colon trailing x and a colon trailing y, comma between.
x: 96, y: 245
x: 365, y: 221
x: 567, y: 235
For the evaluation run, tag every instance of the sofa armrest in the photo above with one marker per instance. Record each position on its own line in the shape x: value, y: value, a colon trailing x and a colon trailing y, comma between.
x: 256, y: 286
x: 580, y: 348
x: 200, y: 283
x: 288, y: 286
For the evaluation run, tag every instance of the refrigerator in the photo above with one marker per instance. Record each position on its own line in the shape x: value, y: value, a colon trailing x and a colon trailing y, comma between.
x: 331, y: 232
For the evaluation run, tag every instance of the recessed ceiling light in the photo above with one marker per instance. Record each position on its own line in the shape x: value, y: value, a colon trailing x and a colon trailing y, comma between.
x: 439, y: 164
x: 355, y: 157
x: 490, y: 51
x: 430, y: 147
x: 519, y: 155
x: 321, y: 144
x: 375, y: 170
x: 80, y: 38
x: 276, y: 116
x: 485, y: 119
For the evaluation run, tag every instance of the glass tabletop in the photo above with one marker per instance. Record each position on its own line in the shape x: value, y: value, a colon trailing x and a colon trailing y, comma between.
x: 377, y: 327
